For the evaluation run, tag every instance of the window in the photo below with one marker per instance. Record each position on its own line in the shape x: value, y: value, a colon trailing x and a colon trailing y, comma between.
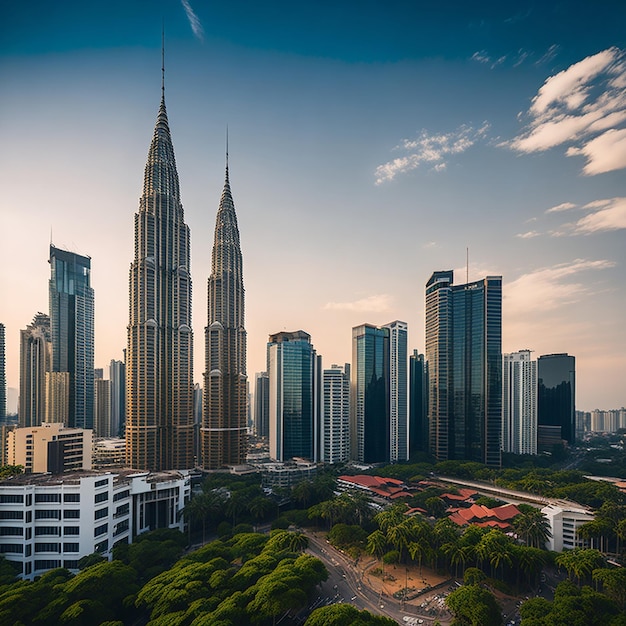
x: 70, y: 564
x: 103, y: 546
x: 71, y: 530
x: 99, y: 514
x: 11, y: 515
x: 47, y: 547
x: 47, y: 564
x: 11, y: 530
x: 71, y: 497
x: 101, y: 483
x: 47, y: 497
x: 100, y: 530
x: 122, y: 510
x: 48, y: 514
x: 11, y: 548
x: 121, y: 494
x: 47, y: 530
x: 10, y: 498
x: 71, y: 514
x: 70, y: 547
x: 101, y: 497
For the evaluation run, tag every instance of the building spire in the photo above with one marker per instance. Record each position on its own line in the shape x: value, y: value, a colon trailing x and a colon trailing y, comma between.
x: 226, y: 152
x: 163, y: 61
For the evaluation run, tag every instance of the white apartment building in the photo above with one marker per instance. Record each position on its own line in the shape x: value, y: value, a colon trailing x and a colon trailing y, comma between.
x: 49, y: 521
x: 519, y: 403
x: 50, y: 448
x: 565, y: 518
x: 335, y: 429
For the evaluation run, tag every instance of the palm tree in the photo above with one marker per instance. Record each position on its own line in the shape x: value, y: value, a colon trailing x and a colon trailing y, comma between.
x: 457, y: 554
x: 532, y: 526
x: 398, y: 536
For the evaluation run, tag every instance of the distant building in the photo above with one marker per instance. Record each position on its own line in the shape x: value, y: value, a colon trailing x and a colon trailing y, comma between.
x: 117, y: 376
x: 418, y: 403
x: 72, y: 331
x: 390, y: 489
x: 398, y: 392
x: 102, y: 415
x: 556, y: 404
x: 262, y: 404
x: 519, y: 403
x: 35, y: 362
x: 335, y: 420
x: 294, y: 372
x: 54, y: 521
x: 565, y: 519
x: 3, y: 376
x: 286, y: 475
x: 464, y: 354
x: 50, y: 448
x: 109, y: 453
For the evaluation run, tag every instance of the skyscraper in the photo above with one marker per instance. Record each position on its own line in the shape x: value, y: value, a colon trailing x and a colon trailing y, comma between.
x: 556, y: 400
x: 224, y: 427
x: 369, y: 402
x: 117, y: 376
x: 519, y: 403
x: 262, y: 405
x: 464, y: 354
x: 418, y: 403
x: 3, y: 377
x: 72, y: 329
x: 335, y: 419
x: 102, y: 411
x: 159, y: 367
x: 35, y: 362
x: 293, y: 368
x: 398, y: 392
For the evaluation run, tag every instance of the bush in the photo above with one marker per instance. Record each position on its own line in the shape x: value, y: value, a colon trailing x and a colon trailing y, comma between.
x: 393, y: 556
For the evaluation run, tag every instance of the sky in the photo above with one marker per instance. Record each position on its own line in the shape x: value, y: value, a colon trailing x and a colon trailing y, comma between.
x: 371, y: 143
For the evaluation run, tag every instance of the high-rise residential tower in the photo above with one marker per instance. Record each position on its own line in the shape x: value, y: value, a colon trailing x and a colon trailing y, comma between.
x: 117, y: 376
x: 72, y: 328
x: 225, y: 405
x: 464, y: 354
x: 35, y: 361
x: 519, y: 403
x: 398, y: 392
x: 369, y: 390
x: 159, y: 366
x: 335, y: 419
x: 556, y: 400
x: 294, y: 373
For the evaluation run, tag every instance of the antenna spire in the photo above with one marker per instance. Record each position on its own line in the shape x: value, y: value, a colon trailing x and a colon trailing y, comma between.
x: 227, y: 151
x: 163, y: 59
x: 467, y: 265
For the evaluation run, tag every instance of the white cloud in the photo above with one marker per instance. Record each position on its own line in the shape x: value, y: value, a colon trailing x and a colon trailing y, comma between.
x: 431, y: 149
x: 611, y: 217
x: 550, y: 288
x: 564, y: 206
x: 371, y: 304
x: 582, y: 107
x: 528, y: 235
x: 194, y: 22
x: 550, y: 54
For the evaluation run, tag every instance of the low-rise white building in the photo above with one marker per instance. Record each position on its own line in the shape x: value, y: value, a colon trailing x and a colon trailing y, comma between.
x: 49, y: 521
x: 565, y: 518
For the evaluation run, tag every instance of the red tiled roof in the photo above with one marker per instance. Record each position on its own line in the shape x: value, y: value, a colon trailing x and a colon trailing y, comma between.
x: 384, y: 487
x: 484, y: 516
x: 463, y: 495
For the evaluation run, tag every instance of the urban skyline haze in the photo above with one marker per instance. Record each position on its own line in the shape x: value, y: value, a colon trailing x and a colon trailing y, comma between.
x: 370, y: 145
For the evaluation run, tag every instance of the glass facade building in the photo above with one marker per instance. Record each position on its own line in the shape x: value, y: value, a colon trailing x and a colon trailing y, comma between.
x: 418, y: 403
x: 369, y: 402
x: 556, y: 400
x: 72, y: 332
x: 294, y: 404
x: 464, y: 353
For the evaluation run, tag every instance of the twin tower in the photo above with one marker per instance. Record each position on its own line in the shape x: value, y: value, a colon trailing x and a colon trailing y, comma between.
x: 160, y: 428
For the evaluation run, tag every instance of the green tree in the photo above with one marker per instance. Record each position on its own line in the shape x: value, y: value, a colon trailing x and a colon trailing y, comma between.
x: 346, y: 615
x: 474, y: 606
x: 532, y: 526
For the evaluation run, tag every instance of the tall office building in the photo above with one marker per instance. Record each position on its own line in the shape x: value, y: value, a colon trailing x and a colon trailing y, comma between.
x: 398, y: 392
x: 224, y: 421
x: 102, y: 413
x: 3, y: 376
x: 335, y: 419
x: 159, y: 366
x: 262, y: 405
x: 418, y: 403
x: 35, y: 362
x: 117, y: 376
x: 556, y: 400
x: 464, y: 354
x: 293, y: 368
x: 519, y: 403
x: 72, y: 328
x: 369, y: 390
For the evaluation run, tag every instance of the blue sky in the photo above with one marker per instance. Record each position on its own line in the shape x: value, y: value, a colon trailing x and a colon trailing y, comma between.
x: 371, y: 144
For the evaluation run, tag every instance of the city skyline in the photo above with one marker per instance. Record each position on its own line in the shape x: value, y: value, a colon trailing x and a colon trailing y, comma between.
x: 366, y: 153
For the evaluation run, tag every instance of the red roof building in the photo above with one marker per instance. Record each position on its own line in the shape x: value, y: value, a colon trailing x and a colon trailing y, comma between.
x: 389, y: 488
